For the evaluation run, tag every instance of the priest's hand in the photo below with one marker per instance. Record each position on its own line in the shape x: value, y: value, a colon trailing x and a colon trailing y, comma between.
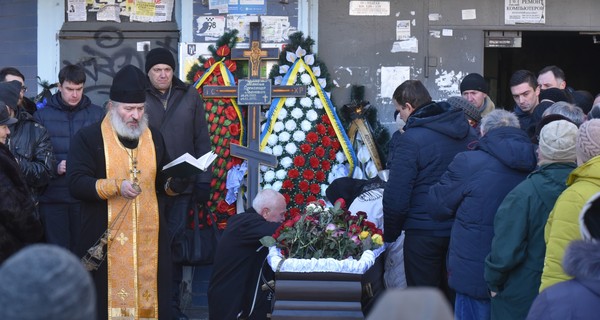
x: 129, y: 190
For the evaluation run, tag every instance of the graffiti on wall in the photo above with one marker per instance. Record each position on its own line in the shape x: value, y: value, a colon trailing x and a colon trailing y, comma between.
x: 104, y: 53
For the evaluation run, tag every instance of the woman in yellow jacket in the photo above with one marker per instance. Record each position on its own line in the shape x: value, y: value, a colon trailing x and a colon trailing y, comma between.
x: 563, y: 223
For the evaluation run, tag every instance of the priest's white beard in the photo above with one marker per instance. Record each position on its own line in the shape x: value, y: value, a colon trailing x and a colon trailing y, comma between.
x: 123, y: 130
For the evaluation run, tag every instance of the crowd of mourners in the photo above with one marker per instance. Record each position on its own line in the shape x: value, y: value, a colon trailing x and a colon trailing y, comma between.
x: 499, y: 209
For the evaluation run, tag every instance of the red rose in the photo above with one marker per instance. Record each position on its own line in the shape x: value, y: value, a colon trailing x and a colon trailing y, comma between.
x: 310, y: 199
x: 361, y: 215
x: 312, y: 137
x: 342, y: 202
x: 308, y: 174
x: 354, y: 229
x: 230, y: 113
x: 331, y: 131
x: 315, y: 188
x: 320, y: 176
x: 222, y: 206
x: 326, y: 141
x: 288, y: 224
x: 299, y: 161
x: 287, y: 184
x: 305, y: 148
x: 303, y: 185
x: 287, y: 199
x: 293, y: 173
x: 325, y: 119
x: 320, y: 152
x: 299, y: 199
x: 321, y: 129
x: 326, y: 165
x: 234, y: 129
x: 332, y: 155
x: 223, y: 51
x: 314, y: 162
x: 335, y: 144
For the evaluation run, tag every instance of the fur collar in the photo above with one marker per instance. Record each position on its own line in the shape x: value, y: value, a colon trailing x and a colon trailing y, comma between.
x: 582, y: 260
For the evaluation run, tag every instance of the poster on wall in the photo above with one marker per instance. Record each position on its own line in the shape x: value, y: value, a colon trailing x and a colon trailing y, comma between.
x: 280, y: 20
x: 210, y: 27
x: 525, y: 11
x: 189, y: 52
x: 391, y: 78
x: 247, y: 7
x: 152, y: 10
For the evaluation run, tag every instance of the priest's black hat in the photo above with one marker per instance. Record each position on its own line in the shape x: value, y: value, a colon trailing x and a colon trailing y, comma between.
x: 129, y: 85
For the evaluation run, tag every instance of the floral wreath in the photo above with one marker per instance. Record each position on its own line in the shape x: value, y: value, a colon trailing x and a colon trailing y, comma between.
x: 304, y: 133
x: 224, y: 119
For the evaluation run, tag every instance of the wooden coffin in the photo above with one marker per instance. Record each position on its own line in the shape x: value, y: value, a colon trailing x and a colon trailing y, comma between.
x: 327, y: 295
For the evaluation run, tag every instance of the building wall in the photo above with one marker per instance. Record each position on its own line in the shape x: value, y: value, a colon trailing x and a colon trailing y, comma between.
x: 18, y: 36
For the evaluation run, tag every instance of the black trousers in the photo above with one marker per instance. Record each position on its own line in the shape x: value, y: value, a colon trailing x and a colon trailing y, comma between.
x: 425, y: 262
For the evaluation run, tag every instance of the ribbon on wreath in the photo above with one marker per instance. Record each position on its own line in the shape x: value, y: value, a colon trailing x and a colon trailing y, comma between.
x: 228, y: 79
x: 359, y: 125
x: 277, y: 104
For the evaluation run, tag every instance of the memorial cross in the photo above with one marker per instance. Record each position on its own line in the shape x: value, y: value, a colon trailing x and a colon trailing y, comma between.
x: 253, y: 92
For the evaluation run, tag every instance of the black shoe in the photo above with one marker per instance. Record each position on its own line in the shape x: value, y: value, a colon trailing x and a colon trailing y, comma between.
x: 178, y: 315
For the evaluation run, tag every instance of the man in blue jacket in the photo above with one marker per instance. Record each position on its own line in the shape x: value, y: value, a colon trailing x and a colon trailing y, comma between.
x: 434, y: 133
x: 67, y: 112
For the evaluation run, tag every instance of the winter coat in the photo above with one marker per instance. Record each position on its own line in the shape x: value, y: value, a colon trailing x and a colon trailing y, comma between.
x: 19, y: 223
x: 30, y: 143
x: 433, y: 135
x: 470, y: 192
x: 488, y: 106
x: 563, y: 223
x: 526, y: 119
x: 576, y: 299
x: 182, y: 123
x: 62, y: 122
x: 513, y: 268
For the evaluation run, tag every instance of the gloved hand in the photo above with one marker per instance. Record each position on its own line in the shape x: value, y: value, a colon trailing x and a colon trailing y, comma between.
x: 201, y: 193
x: 178, y: 185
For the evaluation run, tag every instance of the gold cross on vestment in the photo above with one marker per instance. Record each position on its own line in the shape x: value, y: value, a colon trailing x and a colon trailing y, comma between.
x: 122, y: 238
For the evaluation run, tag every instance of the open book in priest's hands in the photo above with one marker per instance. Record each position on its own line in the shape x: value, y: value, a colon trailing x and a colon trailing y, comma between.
x: 186, y: 165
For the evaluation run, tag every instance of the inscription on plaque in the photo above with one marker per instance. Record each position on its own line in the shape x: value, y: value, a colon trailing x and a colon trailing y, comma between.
x: 254, y: 92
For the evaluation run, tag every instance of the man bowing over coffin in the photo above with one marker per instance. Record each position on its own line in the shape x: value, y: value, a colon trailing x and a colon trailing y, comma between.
x: 115, y: 171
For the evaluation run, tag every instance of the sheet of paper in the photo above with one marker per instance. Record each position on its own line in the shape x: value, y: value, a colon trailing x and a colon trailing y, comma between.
x: 76, y: 10
x: 211, y: 27
x: 391, y: 78
x: 275, y: 28
x: 402, y: 29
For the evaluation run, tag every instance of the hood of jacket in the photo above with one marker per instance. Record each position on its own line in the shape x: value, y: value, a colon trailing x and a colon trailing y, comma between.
x: 582, y: 261
x: 511, y: 146
x: 589, y: 171
x: 440, y: 117
x: 57, y: 102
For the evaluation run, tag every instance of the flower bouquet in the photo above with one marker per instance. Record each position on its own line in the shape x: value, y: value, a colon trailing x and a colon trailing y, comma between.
x: 324, y: 239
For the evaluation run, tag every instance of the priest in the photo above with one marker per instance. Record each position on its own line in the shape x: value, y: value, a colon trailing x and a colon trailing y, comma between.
x: 114, y: 169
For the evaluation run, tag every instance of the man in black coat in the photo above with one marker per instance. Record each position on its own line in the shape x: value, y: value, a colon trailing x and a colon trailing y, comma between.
x: 114, y: 169
x: 240, y: 259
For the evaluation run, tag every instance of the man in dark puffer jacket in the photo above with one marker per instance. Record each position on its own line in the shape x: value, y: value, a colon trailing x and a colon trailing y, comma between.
x: 66, y: 113
x: 434, y: 134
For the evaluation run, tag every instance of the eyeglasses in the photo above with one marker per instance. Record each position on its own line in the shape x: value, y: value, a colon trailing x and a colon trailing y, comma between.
x: 23, y: 89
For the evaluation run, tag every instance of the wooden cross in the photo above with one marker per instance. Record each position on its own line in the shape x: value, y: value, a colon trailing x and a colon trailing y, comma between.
x: 253, y: 92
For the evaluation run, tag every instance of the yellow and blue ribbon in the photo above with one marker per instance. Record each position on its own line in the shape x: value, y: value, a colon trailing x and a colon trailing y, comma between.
x: 277, y: 104
x: 228, y: 80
